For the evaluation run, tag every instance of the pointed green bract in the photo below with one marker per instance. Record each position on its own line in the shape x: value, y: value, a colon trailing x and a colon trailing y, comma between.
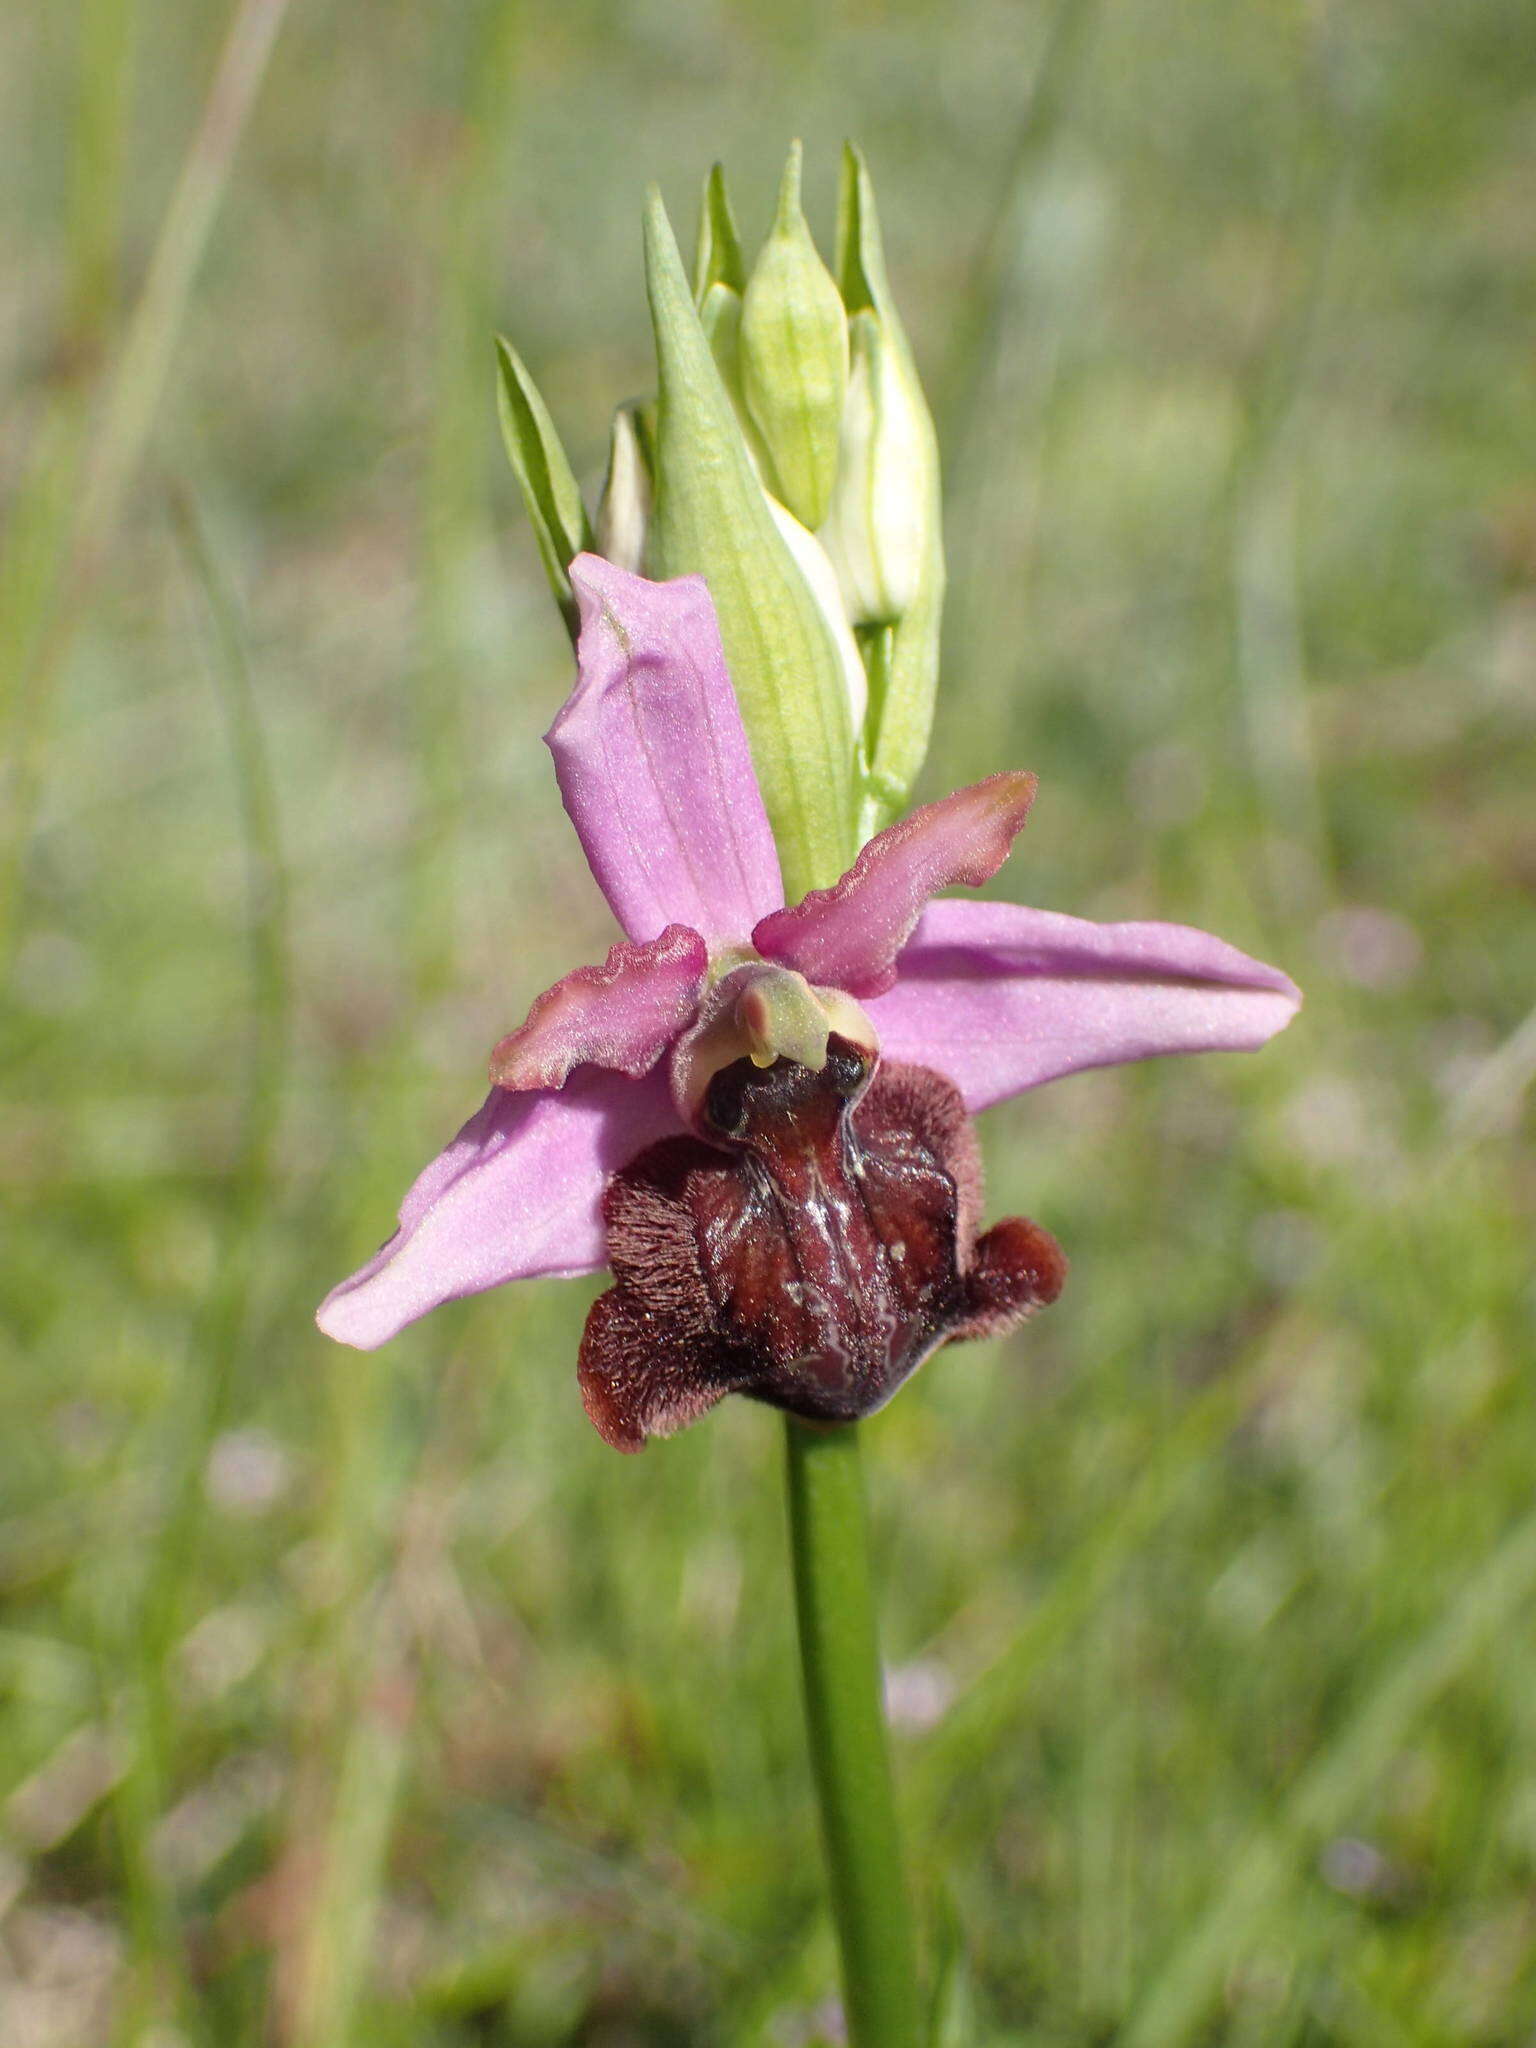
x: 718, y: 258
x: 710, y: 516
x: 794, y: 357
x: 548, y: 484
x: 894, y: 503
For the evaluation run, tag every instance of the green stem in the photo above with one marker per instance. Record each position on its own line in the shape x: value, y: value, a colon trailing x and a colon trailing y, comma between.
x: 840, y: 1664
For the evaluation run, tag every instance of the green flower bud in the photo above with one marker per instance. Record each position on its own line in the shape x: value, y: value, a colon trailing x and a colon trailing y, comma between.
x: 719, y: 279
x: 794, y: 358
x: 711, y: 516
x: 885, y: 531
x: 624, y: 510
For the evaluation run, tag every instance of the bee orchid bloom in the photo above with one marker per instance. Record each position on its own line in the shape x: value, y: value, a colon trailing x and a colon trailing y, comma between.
x: 759, y: 1116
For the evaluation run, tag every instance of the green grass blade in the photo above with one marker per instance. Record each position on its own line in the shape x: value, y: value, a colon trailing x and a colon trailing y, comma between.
x: 1332, y: 1786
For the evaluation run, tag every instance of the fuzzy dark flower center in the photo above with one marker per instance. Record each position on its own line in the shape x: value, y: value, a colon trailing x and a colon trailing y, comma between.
x: 812, y: 1256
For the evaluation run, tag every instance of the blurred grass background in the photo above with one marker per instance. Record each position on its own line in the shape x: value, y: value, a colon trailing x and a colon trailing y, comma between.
x: 355, y: 1700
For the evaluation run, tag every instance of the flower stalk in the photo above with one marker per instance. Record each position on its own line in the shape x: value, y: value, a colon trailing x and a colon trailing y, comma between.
x: 845, y: 1717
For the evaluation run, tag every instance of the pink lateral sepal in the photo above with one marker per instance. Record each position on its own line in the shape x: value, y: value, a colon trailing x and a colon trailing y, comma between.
x: 1001, y: 998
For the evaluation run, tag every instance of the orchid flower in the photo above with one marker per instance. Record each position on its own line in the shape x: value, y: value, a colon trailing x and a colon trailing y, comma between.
x: 759, y: 1116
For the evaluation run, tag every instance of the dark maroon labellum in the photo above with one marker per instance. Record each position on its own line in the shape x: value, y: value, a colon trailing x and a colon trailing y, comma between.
x: 812, y: 1258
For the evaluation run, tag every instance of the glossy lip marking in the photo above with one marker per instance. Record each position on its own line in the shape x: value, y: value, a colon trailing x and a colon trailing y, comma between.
x: 812, y: 1258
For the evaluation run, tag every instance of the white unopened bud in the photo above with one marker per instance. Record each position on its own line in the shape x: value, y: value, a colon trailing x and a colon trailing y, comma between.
x: 624, y: 511
x: 879, y: 525
x: 814, y: 564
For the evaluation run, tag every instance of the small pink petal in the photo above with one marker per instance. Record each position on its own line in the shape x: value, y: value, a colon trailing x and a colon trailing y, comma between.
x: 653, y: 761
x: 516, y: 1196
x: 848, y: 936
x: 1001, y: 998
x: 622, y: 1015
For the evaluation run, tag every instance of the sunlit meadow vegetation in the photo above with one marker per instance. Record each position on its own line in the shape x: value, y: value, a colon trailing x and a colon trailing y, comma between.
x: 372, y: 1700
